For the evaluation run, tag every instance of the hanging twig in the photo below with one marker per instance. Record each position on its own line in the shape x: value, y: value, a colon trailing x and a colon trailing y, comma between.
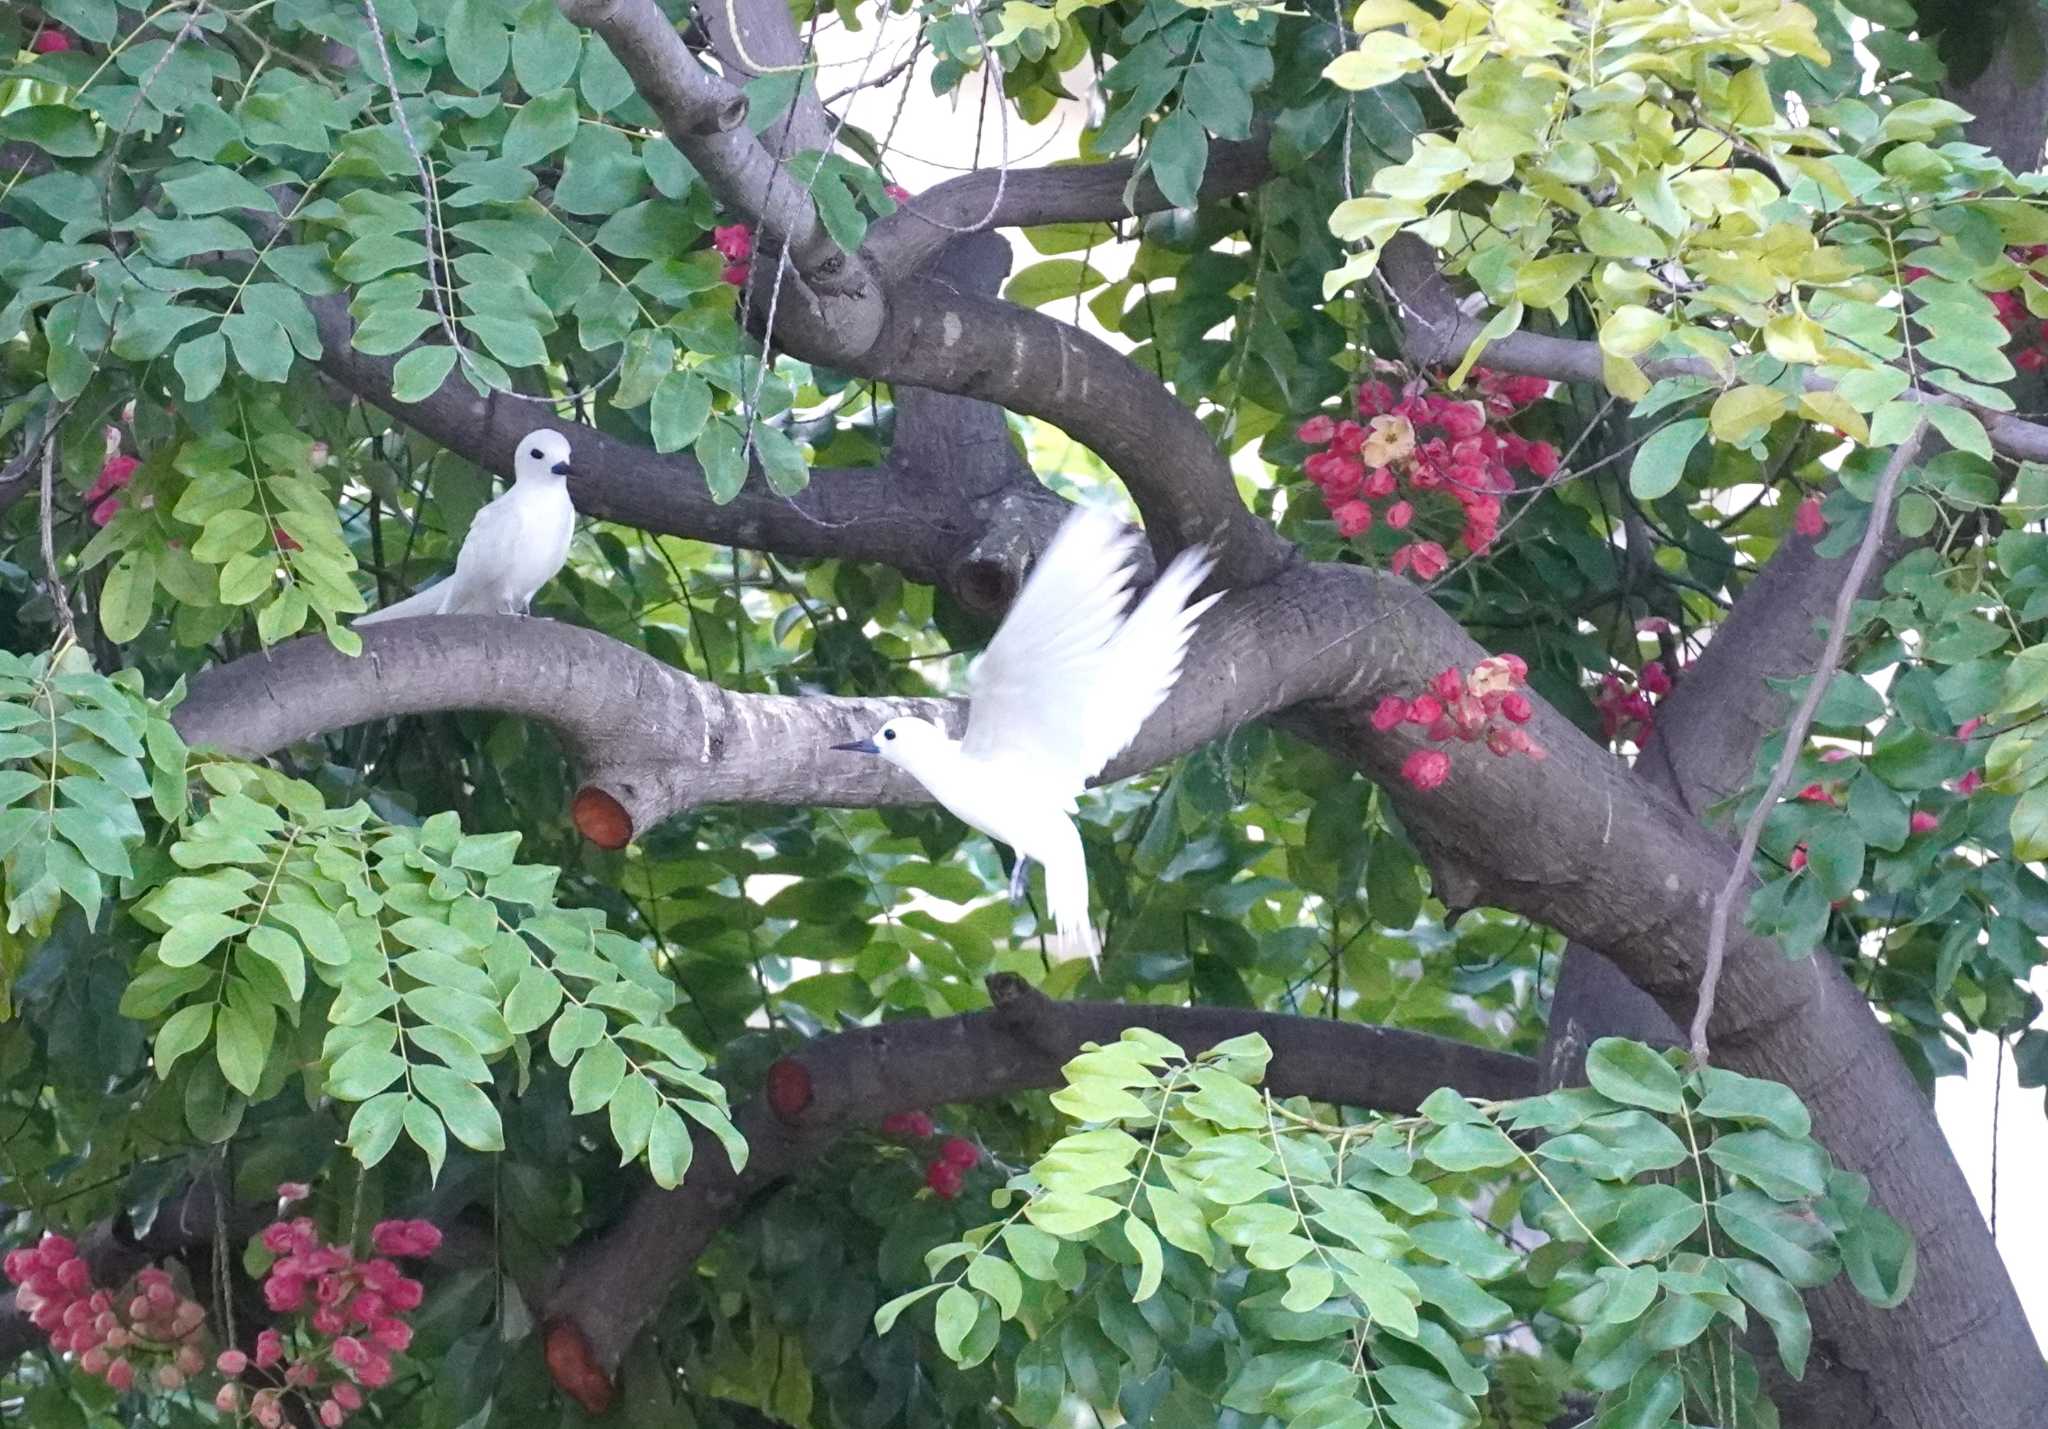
x: 51, y: 577
x: 1795, y: 732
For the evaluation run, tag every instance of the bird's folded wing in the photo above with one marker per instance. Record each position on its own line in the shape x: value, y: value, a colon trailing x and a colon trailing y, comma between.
x: 490, y: 546
x: 1031, y: 683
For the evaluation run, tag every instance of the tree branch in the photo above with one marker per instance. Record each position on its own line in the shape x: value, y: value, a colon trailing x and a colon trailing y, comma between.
x: 1024, y: 198
x: 704, y: 117
x: 615, y: 1283
x: 922, y: 333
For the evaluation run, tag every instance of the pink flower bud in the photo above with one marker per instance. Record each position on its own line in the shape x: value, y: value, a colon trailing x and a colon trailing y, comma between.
x: 1426, y: 768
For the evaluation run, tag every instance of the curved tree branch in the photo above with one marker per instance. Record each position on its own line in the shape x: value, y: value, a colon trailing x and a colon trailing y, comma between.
x: 920, y: 332
x: 899, y: 244
x: 705, y: 118
x: 853, y: 1079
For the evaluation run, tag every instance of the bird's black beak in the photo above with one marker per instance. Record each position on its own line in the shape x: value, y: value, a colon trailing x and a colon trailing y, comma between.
x: 561, y: 468
x: 865, y: 746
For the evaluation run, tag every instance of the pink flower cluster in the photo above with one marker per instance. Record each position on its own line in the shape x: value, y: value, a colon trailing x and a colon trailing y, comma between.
x: 947, y: 1172
x: 1626, y: 701
x: 1425, y: 442
x: 104, y: 499
x: 53, y: 41
x: 1808, y: 520
x: 353, y: 1312
x: 1487, y: 706
x: 145, y: 1333
x: 735, y: 244
x: 908, y: 1126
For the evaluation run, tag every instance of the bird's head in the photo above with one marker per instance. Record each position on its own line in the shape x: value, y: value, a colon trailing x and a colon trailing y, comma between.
x: 542, y: 453
x: 900, y: 741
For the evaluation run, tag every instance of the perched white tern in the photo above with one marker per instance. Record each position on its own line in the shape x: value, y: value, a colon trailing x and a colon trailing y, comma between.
x: 515, y: 545
x: 1062, y: 689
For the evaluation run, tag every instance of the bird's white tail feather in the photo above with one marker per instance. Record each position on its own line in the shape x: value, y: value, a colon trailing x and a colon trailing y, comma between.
x: 425, y: 602
x: 1066, y: 897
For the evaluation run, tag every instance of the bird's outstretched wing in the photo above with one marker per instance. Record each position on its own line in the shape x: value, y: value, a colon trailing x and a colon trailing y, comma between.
x: 1067, y: 682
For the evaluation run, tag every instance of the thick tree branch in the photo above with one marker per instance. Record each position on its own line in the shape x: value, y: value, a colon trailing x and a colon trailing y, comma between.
x: 922, y: 333
x: 614, y: 1284
x: 1597, y: 855
x: 705, y: 117
x: 854, y: 513
x: 1025, y: 198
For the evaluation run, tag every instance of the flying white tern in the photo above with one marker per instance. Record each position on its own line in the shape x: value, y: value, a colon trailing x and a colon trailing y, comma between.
x: 514, y: 546
x: 1062, y: 689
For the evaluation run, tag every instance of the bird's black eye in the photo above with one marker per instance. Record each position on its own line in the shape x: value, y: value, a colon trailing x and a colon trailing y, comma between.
x: 534, y: 453
x: 888, y: 734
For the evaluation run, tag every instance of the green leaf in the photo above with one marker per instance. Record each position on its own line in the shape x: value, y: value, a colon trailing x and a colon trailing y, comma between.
x: 477, y: 43
x: 668, y: 1149
x: 781, y: 462
x: 1660, y: 461
x: 242, y: 1043
x: 1789, y: 1238
x: 420, y: 373
x: 1176, y: 158
x: 957, y: 1311
x: 469, y: 1113
x: 261, y: 347
x: 373, y: 1130
x: 195, y: 936
x: 1731, y: 1096
x: 1780, y: 1305
x: 541, y: 127
x: 128, y: 597
x: 681, y: 405
x: 1632, y: 1074
x: 363, y: 1071
x: 200, y: 365
x: 997, y: 1278
x: 1051, y: 280
x: 57, y: 129
x: 1960, y: 429
x: 427, y: 1133
x: 1151, y: 1262
x: 2030, y: 824
x: 725, y: 470
x: 183, y: 1030
x: 545, y: 48
x: 887, y: 1316
x: 633, y: 1107
x: 1068, y: 1213
x: 597, y: 1075
x: 214, y: 189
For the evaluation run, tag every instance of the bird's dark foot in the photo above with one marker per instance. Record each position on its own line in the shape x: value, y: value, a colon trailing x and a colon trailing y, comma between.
x: 1020, y: 881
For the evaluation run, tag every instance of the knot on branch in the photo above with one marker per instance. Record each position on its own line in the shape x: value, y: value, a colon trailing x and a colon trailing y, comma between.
x: 588, y: 13
x: 722, y: 118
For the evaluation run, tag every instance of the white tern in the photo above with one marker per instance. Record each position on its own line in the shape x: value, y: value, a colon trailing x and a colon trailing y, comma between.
x: 514, y: 546
x: 1062, y: 689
